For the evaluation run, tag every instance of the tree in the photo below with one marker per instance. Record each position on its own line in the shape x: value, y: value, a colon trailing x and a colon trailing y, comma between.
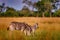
x: 29, y: 3
x: 25, y: 10
x: 39, y: 6
x: 43, y: 6
x: 10, y: 12
x: 57, y: 13
x: 2, y: 7
x: 53, y: 1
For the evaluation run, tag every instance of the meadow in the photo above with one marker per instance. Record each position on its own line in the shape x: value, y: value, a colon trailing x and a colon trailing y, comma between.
x: 49, y: 28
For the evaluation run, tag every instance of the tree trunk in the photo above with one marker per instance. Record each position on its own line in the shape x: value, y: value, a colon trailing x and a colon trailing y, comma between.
x: 37, y: 14
x: 43, y: 14
x: 50, y: 14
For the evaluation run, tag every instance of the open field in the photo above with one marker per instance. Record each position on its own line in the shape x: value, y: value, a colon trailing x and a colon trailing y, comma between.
x: 49, y: 29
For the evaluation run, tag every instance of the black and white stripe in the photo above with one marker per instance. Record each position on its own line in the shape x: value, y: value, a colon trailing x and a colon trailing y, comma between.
x: 27, y: 29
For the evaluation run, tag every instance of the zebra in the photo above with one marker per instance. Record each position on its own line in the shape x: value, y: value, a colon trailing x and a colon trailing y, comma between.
x: 34, y: 27
x: 16, y: 26
x: 31, y: 29
x: 24, y: 27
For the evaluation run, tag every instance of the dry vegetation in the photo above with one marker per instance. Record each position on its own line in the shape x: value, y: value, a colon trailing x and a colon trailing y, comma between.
x: 49, y: 29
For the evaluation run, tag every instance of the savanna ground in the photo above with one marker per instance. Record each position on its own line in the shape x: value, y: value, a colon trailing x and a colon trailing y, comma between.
x: 49, y: 28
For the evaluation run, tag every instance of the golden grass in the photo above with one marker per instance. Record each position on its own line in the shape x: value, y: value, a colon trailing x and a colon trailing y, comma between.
x: 44, y: 23
x: 47, y: 24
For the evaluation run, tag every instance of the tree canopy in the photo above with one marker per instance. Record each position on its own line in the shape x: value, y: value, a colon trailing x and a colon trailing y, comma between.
x: 43, y: 7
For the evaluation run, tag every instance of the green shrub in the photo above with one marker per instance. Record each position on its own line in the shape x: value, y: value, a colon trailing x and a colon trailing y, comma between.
x: 57, y: 13
x: 47, y: 14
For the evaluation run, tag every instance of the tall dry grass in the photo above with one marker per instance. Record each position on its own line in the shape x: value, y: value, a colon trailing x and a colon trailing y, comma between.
x: 49, y: 29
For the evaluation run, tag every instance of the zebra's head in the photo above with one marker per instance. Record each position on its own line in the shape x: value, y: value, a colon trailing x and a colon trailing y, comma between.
x: 35, y: 26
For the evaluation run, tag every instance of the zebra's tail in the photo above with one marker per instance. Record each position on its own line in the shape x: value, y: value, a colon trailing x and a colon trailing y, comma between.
x: 8, y: 28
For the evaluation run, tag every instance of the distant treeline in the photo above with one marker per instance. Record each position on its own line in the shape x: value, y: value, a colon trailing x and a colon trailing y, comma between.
x: 34, y: 14
x: 43, y: 7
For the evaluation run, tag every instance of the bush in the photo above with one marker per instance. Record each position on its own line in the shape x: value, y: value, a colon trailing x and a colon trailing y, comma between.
x: 2, y: 14
x: 47, y: 14
x: 57, y: 13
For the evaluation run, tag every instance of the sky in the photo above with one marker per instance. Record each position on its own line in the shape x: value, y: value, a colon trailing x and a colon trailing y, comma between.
x: 17, y: 4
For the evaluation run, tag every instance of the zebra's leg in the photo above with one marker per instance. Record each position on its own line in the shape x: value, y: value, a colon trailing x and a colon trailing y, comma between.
x: 11, y: 28
x: 33, y: 32
x: 16, y: 28
x: 28, y: 33
x: 22, y: 29
x: 25, y: 32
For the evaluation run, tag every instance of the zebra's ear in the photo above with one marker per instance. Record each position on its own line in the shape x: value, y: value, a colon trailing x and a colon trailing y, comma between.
x: 37, y: 23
